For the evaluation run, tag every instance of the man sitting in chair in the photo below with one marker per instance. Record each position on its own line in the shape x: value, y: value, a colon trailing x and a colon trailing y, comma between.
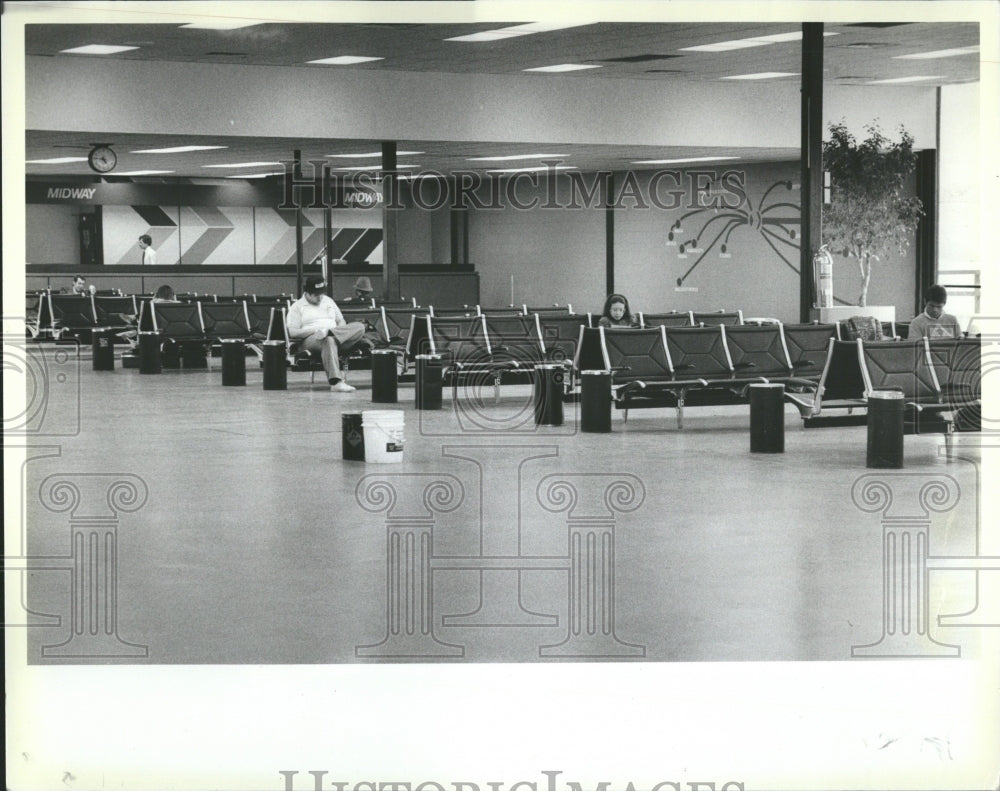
x: 362, y: 292
x: 316, y: 320
x: 934, y: 322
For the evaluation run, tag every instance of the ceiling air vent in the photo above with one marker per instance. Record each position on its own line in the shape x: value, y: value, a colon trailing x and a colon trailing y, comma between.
x: 637, y: 58
x: 225, y: 55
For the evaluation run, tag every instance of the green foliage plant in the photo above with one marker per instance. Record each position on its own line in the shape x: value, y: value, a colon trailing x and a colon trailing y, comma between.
x: 870, y: 215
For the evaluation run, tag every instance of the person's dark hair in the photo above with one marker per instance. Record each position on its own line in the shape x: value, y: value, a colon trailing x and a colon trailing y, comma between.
x: 146, y: 239
x: 79, y: 277
x: 611, y: 300
x: 164, y: 292
x: 937, y: 294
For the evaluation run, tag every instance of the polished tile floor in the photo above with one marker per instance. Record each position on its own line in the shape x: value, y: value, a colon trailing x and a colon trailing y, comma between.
x: 174, y: 520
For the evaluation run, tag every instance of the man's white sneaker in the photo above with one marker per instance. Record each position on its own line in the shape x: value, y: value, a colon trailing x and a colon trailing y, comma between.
x: 342, y: 387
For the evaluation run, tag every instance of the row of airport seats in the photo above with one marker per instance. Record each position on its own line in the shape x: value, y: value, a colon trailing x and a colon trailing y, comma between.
x: 658, y: 365
x: 674, y: 367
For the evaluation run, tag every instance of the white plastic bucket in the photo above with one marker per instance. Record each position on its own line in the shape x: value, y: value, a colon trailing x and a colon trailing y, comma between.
x: 383, y: 430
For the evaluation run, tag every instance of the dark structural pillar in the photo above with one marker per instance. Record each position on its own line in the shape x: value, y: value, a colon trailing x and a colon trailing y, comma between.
x: 384, y: 379
x: 609, y: 234
x: 429, y: 381
x: 811, y: 161
x: 548, y: 394
x: 595, y: 401
x: 234, y: 363
x: 103, y: 344
x: 767, y: 418
x: 149, y: 353
x: 298, y: 225
x: 390, y: 244
x: 275, y: 370
x: 885, y: 429
x: 926, y: 248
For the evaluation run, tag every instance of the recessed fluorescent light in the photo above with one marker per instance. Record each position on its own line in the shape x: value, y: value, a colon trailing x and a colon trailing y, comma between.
x: 140, y: 173
x: 372, y: 154
x: 244, y: 165
x: 746, y: 43
x: 531, y: 170
x: 55, y: 161
x: 513, y: 157
x: 97, y: 49
x: 940, y: 53
x: 254, y: 175
x: 563, y: 67
x: 176, y: 149
x: 515, y: 30
x: 763, y: 75
x: 221, y: 24
x: 905, y: 79
x: 344, y: 60
x: 678, y: 161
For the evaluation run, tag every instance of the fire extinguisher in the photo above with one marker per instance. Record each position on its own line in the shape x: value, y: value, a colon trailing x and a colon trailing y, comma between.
x: 823, y: 271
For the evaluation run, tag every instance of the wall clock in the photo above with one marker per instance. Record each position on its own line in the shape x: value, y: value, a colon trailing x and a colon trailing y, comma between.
x: 102, y: 159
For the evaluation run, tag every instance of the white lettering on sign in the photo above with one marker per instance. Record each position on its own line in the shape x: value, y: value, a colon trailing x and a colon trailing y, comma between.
x: 86, y: 193
x: 364, y: 199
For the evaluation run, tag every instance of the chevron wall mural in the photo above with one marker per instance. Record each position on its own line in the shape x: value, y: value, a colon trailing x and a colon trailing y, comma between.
x: 233, y: 236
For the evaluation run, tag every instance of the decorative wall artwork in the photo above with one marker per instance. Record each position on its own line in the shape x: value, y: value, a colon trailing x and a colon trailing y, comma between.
x: 708, y: 229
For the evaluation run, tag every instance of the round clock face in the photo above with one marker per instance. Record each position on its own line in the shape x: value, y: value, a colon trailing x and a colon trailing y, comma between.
x: 102, y: 159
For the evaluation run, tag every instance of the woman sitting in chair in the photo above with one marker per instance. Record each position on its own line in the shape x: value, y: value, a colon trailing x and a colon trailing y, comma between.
x: 616, y: 312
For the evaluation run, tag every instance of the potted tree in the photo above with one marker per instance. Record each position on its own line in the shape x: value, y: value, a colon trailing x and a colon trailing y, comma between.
x: 869, y: 215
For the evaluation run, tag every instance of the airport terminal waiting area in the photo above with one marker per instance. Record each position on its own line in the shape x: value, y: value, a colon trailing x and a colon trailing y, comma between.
x: 513, y: 483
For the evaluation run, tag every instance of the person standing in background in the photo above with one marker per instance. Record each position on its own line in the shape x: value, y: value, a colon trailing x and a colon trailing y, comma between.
x: 148, y: 253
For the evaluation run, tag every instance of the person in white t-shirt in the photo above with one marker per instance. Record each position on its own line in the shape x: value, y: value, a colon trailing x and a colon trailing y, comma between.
x: 934, y: 322
x: 148, y: 253
x: 317, y: 321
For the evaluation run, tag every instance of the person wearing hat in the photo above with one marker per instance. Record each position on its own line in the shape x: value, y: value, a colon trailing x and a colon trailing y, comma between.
x: 362, y: 291
x: 316, y: 320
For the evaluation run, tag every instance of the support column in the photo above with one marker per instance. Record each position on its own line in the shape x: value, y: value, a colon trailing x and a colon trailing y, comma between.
x: 811, y: 161
x: 390, y: 241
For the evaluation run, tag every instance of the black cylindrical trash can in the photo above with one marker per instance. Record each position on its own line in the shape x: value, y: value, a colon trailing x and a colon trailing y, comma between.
x: 103, y: 344
x: 234, y: 363
x: 767, y: 418
x: 384, y: 389
x: 170, y: 354
x: 149, y: 353
x: 275, y: 370
x: 548, y: 392
x: 353, y: 436
x: 429, y: 381
x: 595, y: 401
x: 194, y: 355
x: 885, y: 429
